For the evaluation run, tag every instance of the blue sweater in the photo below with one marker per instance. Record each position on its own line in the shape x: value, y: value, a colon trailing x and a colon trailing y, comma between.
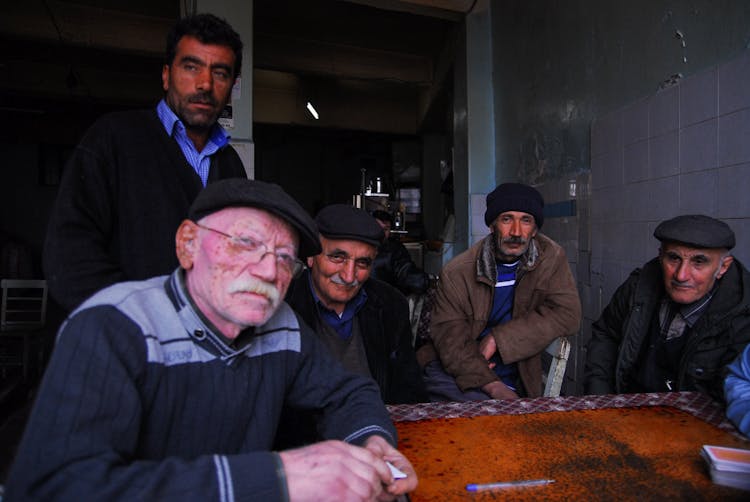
x: 737, y: 391
x: 142, y: 400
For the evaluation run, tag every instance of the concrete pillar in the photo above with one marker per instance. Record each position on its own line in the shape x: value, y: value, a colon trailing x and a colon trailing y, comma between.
x: 480, y: 117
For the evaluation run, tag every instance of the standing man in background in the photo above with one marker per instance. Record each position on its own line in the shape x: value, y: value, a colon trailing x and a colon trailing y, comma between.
x: 132, y: 178
x: 393, y: 264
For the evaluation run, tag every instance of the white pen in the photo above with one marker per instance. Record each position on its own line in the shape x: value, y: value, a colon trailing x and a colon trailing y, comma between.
x: 507, y: 484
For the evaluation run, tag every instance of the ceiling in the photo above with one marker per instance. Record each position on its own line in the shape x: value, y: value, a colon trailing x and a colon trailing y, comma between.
x: 89, y: 56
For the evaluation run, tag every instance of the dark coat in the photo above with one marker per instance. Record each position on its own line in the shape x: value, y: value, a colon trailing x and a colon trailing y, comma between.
x: 714, y: 341
x: 394, y: 265
x: 386, y: 333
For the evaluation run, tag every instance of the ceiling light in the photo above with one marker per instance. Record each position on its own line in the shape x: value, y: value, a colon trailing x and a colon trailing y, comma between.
x: 312, y: 110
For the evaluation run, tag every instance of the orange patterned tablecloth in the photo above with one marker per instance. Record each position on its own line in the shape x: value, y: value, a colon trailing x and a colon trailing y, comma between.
x: 596, y: 448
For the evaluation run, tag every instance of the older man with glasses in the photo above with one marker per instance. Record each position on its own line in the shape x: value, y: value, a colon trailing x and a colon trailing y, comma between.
x: 172, y: 388
x: 364, y: 322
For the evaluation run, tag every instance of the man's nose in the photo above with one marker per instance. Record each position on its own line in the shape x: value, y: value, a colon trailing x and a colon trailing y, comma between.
x: 515, y: 228
x: 348, y: 271
x: 266, y: 267
x: 682, y: 272
x: 204, y: 80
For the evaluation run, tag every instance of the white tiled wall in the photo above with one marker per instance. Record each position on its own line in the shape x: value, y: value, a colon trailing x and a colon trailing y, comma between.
x: 685, y: 149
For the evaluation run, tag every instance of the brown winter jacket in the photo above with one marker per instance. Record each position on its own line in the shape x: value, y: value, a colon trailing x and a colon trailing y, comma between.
x: 546, y: 306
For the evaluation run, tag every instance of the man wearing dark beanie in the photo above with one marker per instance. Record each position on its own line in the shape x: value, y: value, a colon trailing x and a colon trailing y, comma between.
x: 363, y: 321
x: 499, y: 304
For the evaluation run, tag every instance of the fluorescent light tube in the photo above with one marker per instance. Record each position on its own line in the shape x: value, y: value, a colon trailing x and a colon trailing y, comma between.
x: 312, y: 110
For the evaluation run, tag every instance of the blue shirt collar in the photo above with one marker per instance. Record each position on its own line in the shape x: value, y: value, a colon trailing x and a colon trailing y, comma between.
x: 341, y: 324
x: 170, y: 121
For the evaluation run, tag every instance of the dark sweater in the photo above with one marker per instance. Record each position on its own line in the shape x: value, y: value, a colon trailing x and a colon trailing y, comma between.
x: 386, y: 333
x: 124, y: 192
x: 142, y: 400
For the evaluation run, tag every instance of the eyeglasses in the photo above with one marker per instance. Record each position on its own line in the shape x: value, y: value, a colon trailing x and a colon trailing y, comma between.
x: 339, y: 258
x: 255, y: 251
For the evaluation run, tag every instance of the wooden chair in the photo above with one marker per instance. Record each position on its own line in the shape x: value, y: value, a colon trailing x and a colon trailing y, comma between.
x: 557, y: 352
x: 23, y: 312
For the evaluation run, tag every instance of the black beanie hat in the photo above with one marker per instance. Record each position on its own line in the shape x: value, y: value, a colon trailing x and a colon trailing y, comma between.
x: 242, y: 192
x: 514, y: 197
x: 344, y: 222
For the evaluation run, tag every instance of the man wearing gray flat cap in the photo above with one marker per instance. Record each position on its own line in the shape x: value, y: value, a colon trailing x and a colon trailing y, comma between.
x: 676, y: 322
x: 172, y: 388
x: 363, y: 321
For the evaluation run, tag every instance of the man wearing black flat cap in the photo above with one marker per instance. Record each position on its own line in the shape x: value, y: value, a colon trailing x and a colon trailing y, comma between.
x: 363, y: 321
x: 499, y: 304
x: 675, y: 323
x: 172, y: 388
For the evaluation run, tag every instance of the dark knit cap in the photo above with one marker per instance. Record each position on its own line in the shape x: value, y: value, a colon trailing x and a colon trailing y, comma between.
x: 696, y: 230
x: 344, y: 222
x: 241, y: 192
x: 514, y: 197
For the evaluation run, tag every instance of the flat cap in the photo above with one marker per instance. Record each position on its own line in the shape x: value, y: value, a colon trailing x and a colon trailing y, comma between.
x: 344, y: 222
x: 696, y: 230
x: 242, y: 192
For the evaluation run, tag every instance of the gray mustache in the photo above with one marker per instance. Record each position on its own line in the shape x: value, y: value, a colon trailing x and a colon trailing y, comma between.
x: 336, y: 279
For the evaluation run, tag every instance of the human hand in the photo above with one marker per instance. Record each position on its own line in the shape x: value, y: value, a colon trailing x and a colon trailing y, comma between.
x: 383, y: 450
x: 334, y: 470
x: 498, y: 390
x: 488, y: 346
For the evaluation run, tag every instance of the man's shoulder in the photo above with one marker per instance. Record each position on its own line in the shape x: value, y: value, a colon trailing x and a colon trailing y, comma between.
x: 465, y: 261
x: 126, y: 118
x: 548, y: 246
x: 121, y: 291
x: 383, y: 291
x: 127, y: 307
x: 122, y: 125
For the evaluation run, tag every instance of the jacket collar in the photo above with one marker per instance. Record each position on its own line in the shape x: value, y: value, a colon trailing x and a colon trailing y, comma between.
x: 200, y: 329
x: 486, y: 267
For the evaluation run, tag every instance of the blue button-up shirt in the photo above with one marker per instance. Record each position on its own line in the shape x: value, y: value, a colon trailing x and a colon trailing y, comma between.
x: 201, y: 161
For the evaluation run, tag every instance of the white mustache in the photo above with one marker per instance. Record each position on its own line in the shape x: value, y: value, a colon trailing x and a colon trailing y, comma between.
x: 251, y: 285
x: 336, y: 279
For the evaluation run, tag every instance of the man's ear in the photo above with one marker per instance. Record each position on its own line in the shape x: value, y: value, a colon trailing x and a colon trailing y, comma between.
x: 165, y: 77
x: 725, y: 263
x: 186, y: 243
x: 309, y: 261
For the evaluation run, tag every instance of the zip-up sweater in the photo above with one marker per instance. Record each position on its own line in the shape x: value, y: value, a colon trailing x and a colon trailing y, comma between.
x: 125, y: 190
x: 142, y: 400
x: 545, y: 306
x: 720, y: 334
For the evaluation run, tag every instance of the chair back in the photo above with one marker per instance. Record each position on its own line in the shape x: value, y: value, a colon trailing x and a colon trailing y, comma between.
x: 24, y: 304
x: 558, y: 351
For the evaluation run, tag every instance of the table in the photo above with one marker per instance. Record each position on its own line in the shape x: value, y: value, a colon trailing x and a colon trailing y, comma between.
x: 617, y: 447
